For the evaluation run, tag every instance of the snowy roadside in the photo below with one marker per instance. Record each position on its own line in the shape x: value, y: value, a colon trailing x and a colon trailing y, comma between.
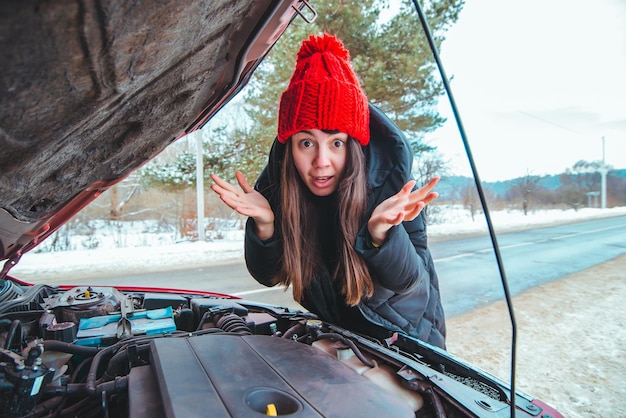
x: 100, y: 262
x: 570, y: 345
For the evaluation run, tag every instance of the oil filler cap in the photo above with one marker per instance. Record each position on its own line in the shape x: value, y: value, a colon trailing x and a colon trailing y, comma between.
x: 270, y: 410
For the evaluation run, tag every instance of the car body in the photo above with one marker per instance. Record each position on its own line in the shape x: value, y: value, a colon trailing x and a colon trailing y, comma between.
x: 90, y: 92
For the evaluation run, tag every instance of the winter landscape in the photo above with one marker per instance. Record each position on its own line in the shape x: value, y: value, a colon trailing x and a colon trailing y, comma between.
x: 571, y: 332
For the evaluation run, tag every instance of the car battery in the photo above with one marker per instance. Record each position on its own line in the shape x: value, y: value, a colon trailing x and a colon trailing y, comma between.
x: 102, y: 330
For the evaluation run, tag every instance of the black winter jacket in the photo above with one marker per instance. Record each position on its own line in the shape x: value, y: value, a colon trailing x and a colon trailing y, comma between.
x: 406, y: 288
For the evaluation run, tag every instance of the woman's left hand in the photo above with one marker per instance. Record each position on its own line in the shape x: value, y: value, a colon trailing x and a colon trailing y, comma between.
x: 403, y: 206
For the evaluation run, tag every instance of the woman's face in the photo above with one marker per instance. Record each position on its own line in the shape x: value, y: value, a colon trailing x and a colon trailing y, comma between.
x: 320, y: 159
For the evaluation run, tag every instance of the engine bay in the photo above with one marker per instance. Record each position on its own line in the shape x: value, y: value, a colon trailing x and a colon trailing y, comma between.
x: 99, y: 351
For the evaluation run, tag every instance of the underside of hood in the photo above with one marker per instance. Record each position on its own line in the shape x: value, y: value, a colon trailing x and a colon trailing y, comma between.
x: 91, y: 90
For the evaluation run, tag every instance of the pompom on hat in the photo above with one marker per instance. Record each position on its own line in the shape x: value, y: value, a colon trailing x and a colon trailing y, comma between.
x: 324, y: 93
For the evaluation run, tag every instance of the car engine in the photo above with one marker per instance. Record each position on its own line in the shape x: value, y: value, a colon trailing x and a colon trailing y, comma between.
x: 100, y: 351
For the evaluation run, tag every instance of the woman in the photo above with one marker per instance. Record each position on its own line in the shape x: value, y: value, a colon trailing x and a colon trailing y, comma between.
x: 334, y: 214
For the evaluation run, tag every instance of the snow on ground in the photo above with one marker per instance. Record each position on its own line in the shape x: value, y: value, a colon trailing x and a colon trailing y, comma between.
x: 158, y: 252
x: 571, y: 335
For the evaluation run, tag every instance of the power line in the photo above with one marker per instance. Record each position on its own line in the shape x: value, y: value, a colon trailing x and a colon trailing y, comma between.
x: 550, y: 123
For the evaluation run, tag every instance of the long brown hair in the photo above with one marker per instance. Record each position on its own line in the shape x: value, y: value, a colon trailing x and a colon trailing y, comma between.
x: 302, y: 255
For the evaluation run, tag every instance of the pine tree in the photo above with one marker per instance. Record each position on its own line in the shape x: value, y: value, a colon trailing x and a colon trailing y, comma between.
x: 392, y: 59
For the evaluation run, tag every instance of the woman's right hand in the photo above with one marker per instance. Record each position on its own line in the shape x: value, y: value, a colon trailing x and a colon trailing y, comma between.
x: 247, y: 202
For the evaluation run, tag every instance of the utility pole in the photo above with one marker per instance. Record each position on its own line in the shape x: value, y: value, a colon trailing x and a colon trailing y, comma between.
x: 200, y: 187
x: 603, y: 172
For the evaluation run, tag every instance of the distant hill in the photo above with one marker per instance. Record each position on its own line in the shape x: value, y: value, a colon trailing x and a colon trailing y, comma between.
x: 449, y: 186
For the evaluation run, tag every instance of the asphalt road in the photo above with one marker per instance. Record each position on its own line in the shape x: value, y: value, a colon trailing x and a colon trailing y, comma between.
x: 468, y: 272
x: 467, y: 269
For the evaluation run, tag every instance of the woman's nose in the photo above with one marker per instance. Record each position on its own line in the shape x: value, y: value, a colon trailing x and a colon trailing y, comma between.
x: 322, y: 158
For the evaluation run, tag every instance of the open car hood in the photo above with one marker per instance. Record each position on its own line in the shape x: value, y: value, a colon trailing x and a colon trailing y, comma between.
x: 90, y: 91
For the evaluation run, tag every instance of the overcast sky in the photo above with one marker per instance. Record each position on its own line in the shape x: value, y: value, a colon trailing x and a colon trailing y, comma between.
x: 538, y: 83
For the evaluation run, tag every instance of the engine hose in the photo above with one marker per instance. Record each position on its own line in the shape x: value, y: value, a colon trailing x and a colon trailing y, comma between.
x: 55, y: 345
x: 233, y: 323
x: 71, y: 411
x: 114, y: 386
x: 298, y: 329
x: 45, y: 406
x: 78, y: 389
x: 14, y: 329
x: 90, y: 383
x: 120, y: 363
x: 349, y: 343
x: 79, y: 368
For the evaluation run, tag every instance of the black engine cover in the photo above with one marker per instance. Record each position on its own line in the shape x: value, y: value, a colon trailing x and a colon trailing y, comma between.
x: 231, y: 375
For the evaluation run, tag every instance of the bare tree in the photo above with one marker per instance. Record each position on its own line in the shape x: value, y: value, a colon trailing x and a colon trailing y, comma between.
x: 426, y: 166
x: 471, y: 202
x: 121, y: 194
x: 578, y: 181
x: 525, y: 187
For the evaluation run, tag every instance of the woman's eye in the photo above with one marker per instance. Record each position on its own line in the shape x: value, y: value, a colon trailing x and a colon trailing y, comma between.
x: 306, y: 143
x: 337, y: 143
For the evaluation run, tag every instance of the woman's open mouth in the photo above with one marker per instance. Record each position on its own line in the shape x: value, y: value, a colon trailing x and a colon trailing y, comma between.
x: 322, y: 182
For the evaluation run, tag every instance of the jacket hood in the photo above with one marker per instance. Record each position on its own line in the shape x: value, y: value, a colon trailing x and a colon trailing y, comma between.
x: 389, y: 155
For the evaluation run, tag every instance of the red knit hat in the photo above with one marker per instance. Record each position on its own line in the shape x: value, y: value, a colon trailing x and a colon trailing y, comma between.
x: 324, y: 93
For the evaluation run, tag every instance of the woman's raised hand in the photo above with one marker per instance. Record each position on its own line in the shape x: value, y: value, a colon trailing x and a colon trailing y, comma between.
x: 403, y: 206
x: 247, y: 202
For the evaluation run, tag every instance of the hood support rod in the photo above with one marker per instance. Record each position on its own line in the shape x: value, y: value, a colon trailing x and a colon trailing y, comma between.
x: 483, y: 201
